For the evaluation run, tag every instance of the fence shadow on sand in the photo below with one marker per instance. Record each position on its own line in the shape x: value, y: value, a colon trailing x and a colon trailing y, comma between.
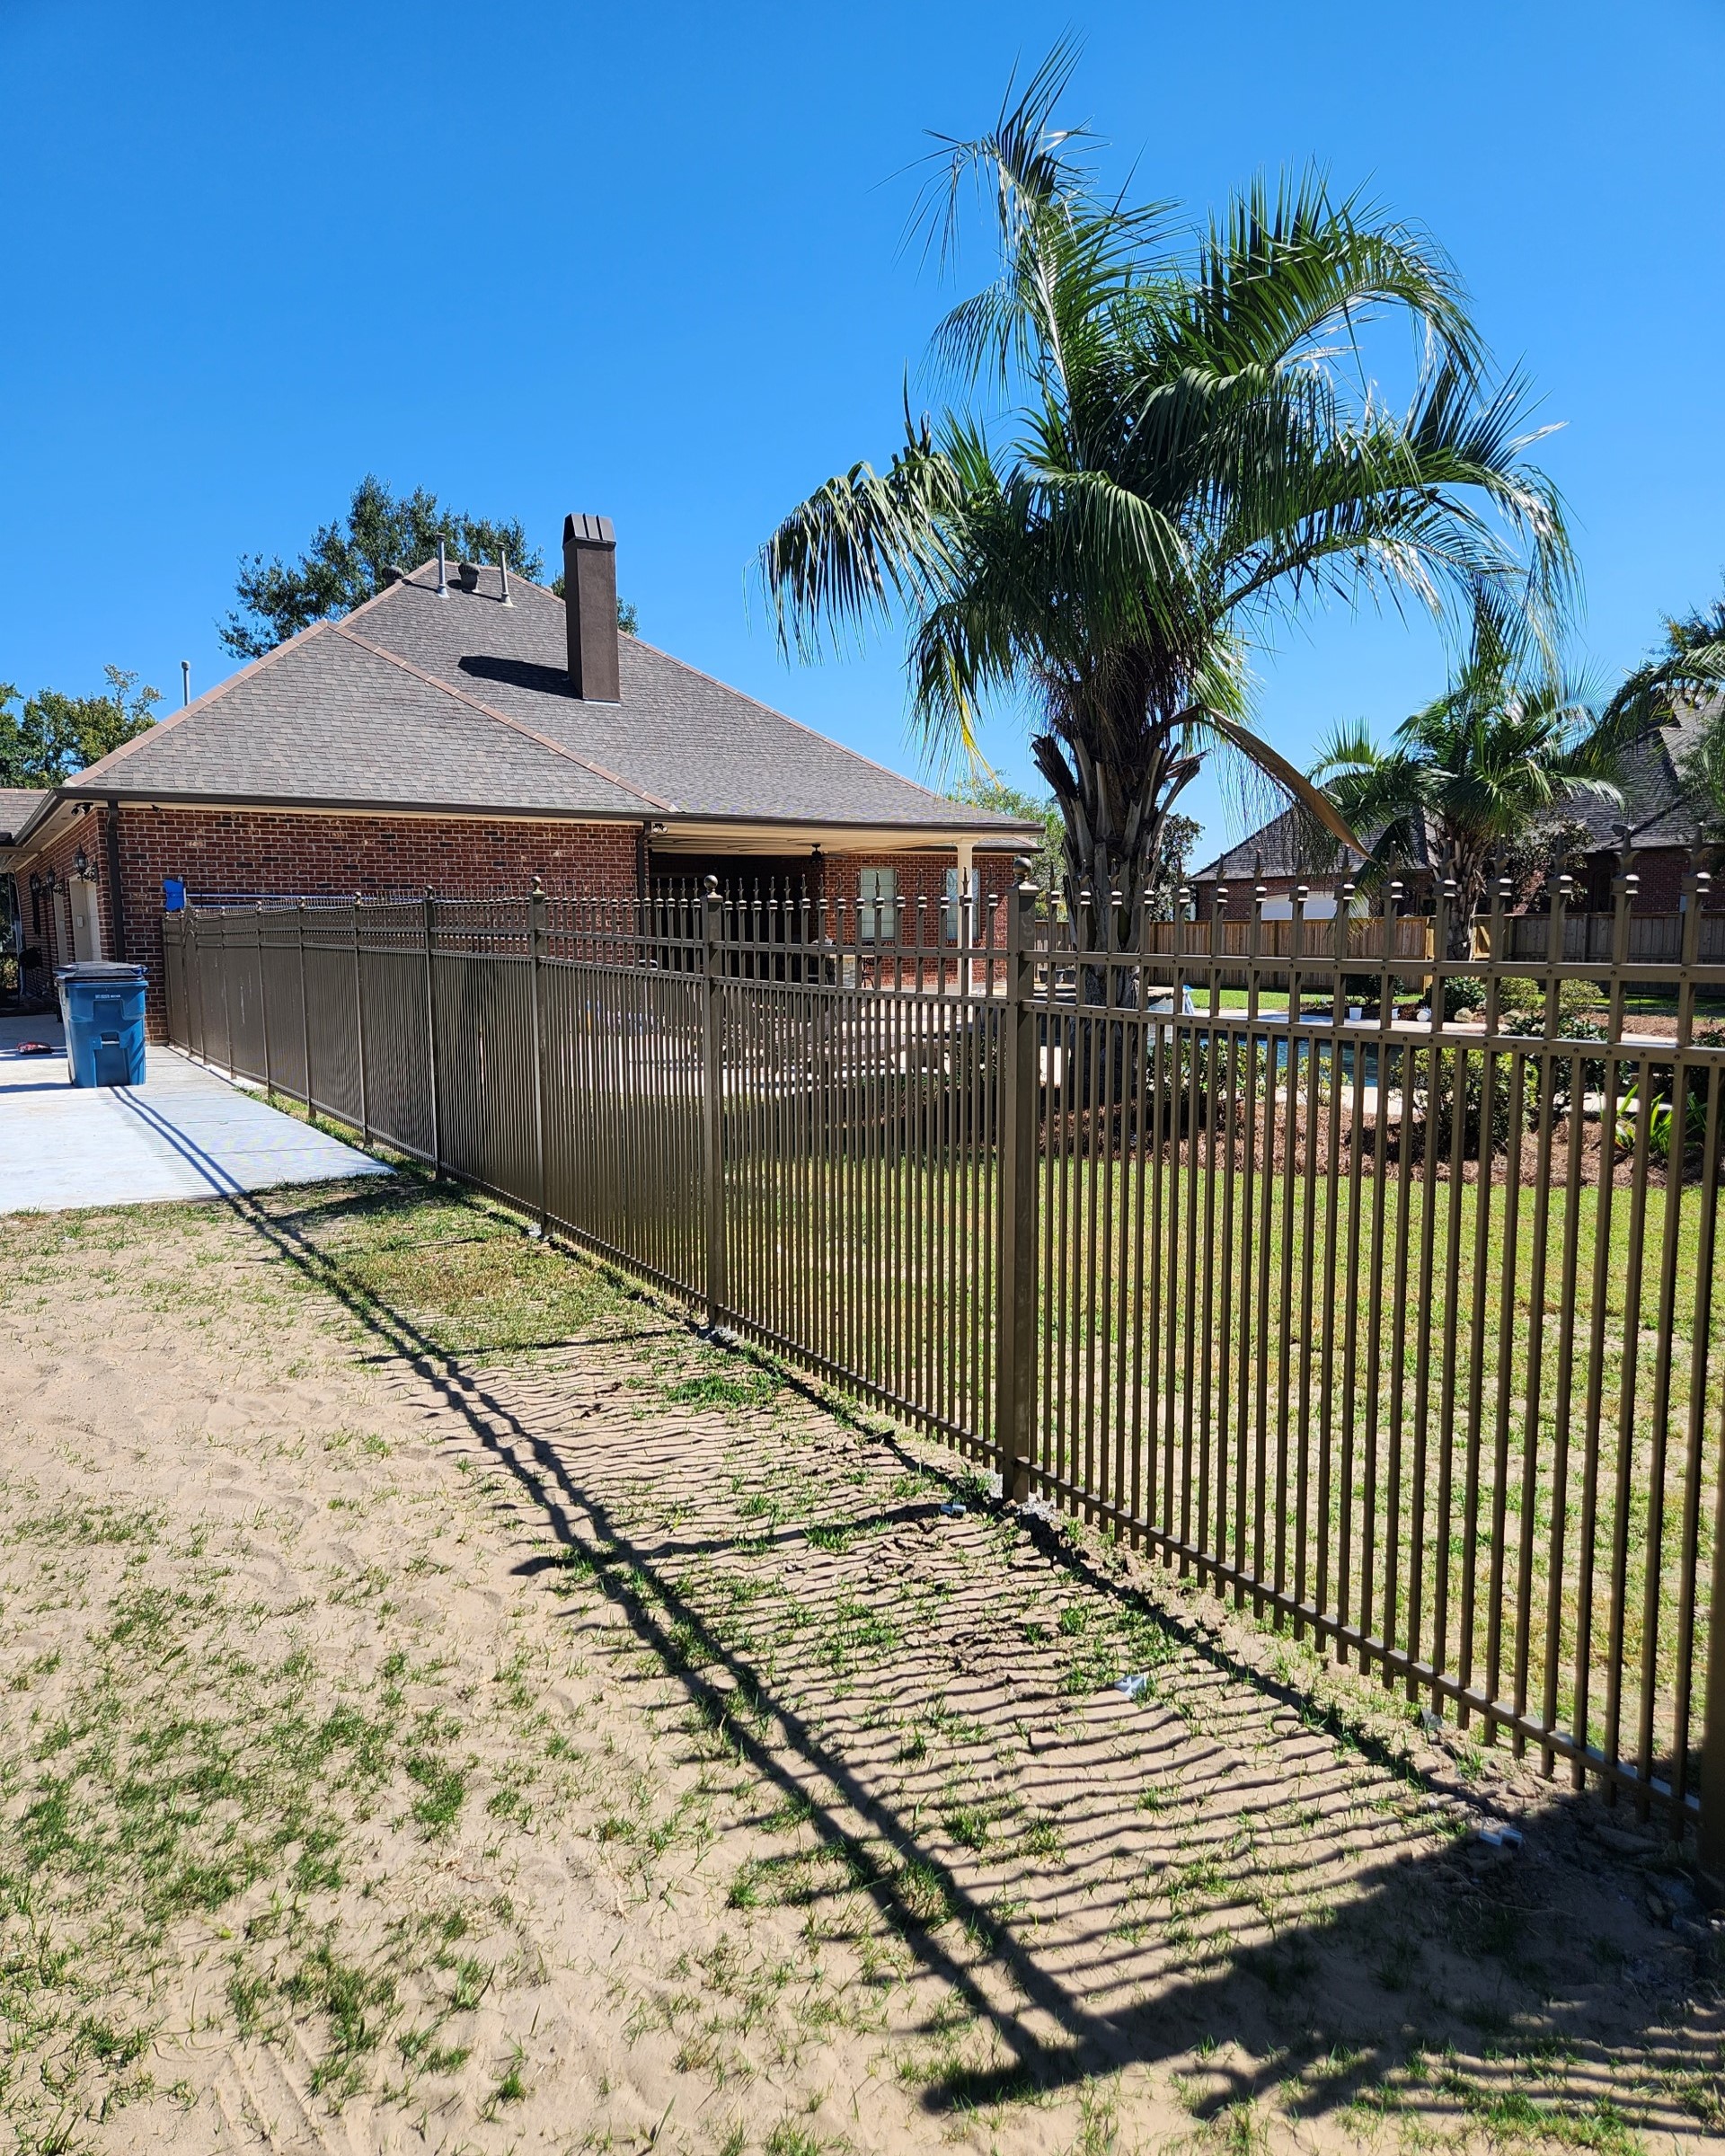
x: 1207, y: 1874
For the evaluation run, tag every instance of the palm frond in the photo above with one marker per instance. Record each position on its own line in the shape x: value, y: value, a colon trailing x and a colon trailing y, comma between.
x: 1023, y: 161
x: 1651, y: 694
x: 1316, y: 804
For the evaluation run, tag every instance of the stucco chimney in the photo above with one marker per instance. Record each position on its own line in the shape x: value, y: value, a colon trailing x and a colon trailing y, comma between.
x: 590, y: 606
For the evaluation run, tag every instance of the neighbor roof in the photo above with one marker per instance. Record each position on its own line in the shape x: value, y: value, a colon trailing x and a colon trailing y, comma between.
x: 1282, y: 847
x: 18, y: 804
x: 462, y: 703
x: 1655, y: 806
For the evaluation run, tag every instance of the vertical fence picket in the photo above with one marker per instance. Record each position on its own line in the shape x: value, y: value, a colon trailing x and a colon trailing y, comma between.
x: 434, y: 1088
x: 263, y: 1009
x: 359, y: 1027
x: 1015, y: 1268
x: 713, y: 1098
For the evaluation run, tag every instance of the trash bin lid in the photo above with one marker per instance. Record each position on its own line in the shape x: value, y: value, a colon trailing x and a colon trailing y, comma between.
x: 99, y: 969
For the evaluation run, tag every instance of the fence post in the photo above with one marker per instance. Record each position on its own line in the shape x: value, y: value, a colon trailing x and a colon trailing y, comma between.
x: 431, y: 1030
x: 712, y: 1118
x: 193, y: 963
x: 360, y: 1028
x: 1015, y: 1268
x: 536, y: 953
x: 227, y: 995
x: 305, y: 1010
x: 1710, y: 1828
x: 263, y: 1011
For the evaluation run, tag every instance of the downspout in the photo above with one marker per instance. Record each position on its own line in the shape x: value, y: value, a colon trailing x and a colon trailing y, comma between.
x: 116, y: 896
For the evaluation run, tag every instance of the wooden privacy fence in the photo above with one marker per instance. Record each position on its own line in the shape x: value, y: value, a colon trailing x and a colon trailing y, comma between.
x: 1400, y: 1329
x: 1588, y: 937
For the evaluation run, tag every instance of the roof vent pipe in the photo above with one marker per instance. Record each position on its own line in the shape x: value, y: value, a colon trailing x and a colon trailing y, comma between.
x: 443, y: 570
x: 185, y: 682
x: 503, y: 566
x: 590, y: 607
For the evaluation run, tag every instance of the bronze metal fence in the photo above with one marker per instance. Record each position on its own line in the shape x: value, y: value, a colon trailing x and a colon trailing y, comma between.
x: 1370, y: 1287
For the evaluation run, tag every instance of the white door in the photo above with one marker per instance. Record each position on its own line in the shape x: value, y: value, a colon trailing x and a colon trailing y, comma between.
x: 86, y: 920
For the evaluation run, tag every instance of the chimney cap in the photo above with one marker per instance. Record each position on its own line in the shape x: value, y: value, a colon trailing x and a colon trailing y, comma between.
x: 588, y: 531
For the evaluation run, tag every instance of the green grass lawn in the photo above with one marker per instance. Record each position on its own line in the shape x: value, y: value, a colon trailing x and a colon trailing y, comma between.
x: 1446, y: 1415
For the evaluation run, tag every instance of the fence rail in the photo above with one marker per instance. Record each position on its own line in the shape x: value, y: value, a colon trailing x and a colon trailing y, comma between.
x: 1398, y: 1328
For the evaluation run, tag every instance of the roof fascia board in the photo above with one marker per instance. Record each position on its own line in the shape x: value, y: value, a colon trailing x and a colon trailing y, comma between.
x: 692, y: 833
x: 26, y: 831
x: 300, y: 804
x: 39, y: 829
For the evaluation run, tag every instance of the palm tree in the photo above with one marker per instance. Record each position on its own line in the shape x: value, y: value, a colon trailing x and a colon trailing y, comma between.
x: 1484, y: 766
x: 1690, y: 666
x: 1187, y: 449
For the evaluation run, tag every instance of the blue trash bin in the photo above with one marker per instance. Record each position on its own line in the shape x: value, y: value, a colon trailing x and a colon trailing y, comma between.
x: 102, y: 1007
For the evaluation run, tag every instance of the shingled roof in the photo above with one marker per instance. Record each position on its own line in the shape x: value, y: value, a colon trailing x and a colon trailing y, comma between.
x: 18, y: 805
x: 1282, y: 847
x: 459, y: 703
x: 1655, y: 806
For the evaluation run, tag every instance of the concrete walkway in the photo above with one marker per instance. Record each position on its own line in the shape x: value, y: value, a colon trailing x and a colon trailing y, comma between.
x: 184, y: 1132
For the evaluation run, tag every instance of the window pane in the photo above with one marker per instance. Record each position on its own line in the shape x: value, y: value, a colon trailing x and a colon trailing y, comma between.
x: 877, y: 888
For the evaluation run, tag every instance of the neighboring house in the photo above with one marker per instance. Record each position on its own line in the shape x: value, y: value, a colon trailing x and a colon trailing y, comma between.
x: 1278, y: 857
x: 18, y: 804
x: 469, y: 738
x: 1655, y: 822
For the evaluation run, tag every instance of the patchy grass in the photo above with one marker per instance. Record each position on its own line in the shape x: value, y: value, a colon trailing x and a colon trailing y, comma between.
x: 647, y: 1651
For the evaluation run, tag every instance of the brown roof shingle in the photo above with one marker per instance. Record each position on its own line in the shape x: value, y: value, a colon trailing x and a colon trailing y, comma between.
x: 18, y: 804
x: 462, y: 701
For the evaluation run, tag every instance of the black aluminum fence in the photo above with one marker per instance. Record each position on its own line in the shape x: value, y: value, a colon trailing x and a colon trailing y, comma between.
x: 1397, y: 1326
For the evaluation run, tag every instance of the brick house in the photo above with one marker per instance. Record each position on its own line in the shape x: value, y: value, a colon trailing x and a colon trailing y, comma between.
x: 1276, y: 856
x: 1656, y: 826
x: 467, y: 733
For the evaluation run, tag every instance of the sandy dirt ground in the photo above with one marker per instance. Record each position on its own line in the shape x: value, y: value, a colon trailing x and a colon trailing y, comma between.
x: 450, y: 1706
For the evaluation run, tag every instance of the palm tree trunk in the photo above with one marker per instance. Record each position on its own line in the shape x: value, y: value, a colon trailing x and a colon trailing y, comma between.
x: 1114, y: 820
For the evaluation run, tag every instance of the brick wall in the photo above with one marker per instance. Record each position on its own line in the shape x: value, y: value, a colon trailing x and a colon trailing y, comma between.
x: 921, y: 880
x: 48, y: 921
x: 240, y: 851
x: 1661, y: 869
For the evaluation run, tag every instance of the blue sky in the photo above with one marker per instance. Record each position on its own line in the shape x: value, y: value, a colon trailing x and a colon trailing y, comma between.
x: 647, y: 262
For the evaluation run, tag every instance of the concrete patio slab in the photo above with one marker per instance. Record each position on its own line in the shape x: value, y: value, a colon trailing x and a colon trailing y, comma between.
x: 184, y: 1132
